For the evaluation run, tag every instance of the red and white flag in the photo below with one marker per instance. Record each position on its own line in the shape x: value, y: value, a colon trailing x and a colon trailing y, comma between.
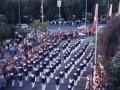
x: 95, y: 19
x: 119, y: 8
x: 110, y: 12
x: 41, y: 7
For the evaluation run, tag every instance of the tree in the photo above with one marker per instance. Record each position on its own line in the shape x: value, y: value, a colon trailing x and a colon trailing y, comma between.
x: 38, y: 26
x: 9, y: 8
x: 113, y: 73
x: 5, y: 32
x: 3, y: 19
x: 110, y: 38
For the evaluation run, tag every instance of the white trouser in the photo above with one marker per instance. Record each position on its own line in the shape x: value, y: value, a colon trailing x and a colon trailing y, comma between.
x: 85, y: 68
x: 72, y: 66
x: 20, y: 83
x: 75, y: 82
x: 54, y: 70
x: 48, y: 79
x: 81, y: 72
x: 66, y: 75
x: 36, y: 78
x: 62, y: 80
x: 91, y: 65
x: 69, y: 56
x: 13, y: 83
x: 78, y: 60
x: 79, y: 77
x: 44, y: 70
x: 43, y: 86
x: 41, y: 73
x: 72, y: 88
x: 63, y: 50
x: 33, y: 84
x: 29, y: 73
x: 51, y: 75
x: 26, y: 78
x: 75, y: 62
x: 87, y: 64
x: 57, y: 87
x: 59, y: 65
x: 70, y: 70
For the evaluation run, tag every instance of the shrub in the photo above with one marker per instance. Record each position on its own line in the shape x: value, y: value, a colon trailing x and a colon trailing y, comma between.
x: 38, y: 26
x: 5, y: 32
x: 21, y: 31
x: 3, y: 19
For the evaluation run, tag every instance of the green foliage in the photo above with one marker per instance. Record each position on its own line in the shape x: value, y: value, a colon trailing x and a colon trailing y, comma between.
x: 3, y: 19
x: 21, y: 31
x: 109, y: 39
x: 5, y: 32
x: 44, y: 26
x: 113, y: 72
x: 9, y: 8
x: 38, y: 26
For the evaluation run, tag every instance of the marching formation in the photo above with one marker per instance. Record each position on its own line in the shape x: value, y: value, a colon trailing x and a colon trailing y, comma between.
x: 48, y: 59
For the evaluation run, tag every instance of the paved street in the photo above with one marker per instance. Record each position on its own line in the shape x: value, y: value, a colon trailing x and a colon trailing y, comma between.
x: 51, y: 85
x: 63, y: 28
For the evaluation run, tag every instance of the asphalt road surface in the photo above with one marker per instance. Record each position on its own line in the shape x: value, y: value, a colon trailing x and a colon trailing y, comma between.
x: 62, y: 28
x: 51, y: 85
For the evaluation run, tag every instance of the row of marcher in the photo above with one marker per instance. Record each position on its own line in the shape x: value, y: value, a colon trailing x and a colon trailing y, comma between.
x: 74, y: 60
x: 37, y: 63
x: 70, y: 50
x: 80, y: 69
x: 66, y: 45
x: 69, y: 66
x: 35, y: 75
x: 77, y: 73
x: 30, y: 61
x: 33, y: 64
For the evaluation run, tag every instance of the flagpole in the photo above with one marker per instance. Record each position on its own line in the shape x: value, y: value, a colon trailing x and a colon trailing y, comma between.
x: 108, y: 11
x: 42, y: 13
x: 86, y: 16
x: 19, y: 11
x: 96, y: 37
x: 119, y: 8
x: 59, y: 6
x: 95, y: 28
x: 59, y: 16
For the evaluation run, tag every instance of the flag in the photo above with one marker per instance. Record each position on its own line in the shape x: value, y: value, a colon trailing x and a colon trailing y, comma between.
x: 41, y: 7
x: 119, y: 8
x: 110, y: 12
x: 95, y: 18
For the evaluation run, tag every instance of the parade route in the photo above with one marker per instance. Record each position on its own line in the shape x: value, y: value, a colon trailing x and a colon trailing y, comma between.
x: 51, y: 85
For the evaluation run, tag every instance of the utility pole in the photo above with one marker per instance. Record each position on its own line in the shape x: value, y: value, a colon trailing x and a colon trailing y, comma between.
x: 59, y: 6
x: 86, y: 16
x: 42, y: 13
x: 108, y: 11
x: 19, y: 11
